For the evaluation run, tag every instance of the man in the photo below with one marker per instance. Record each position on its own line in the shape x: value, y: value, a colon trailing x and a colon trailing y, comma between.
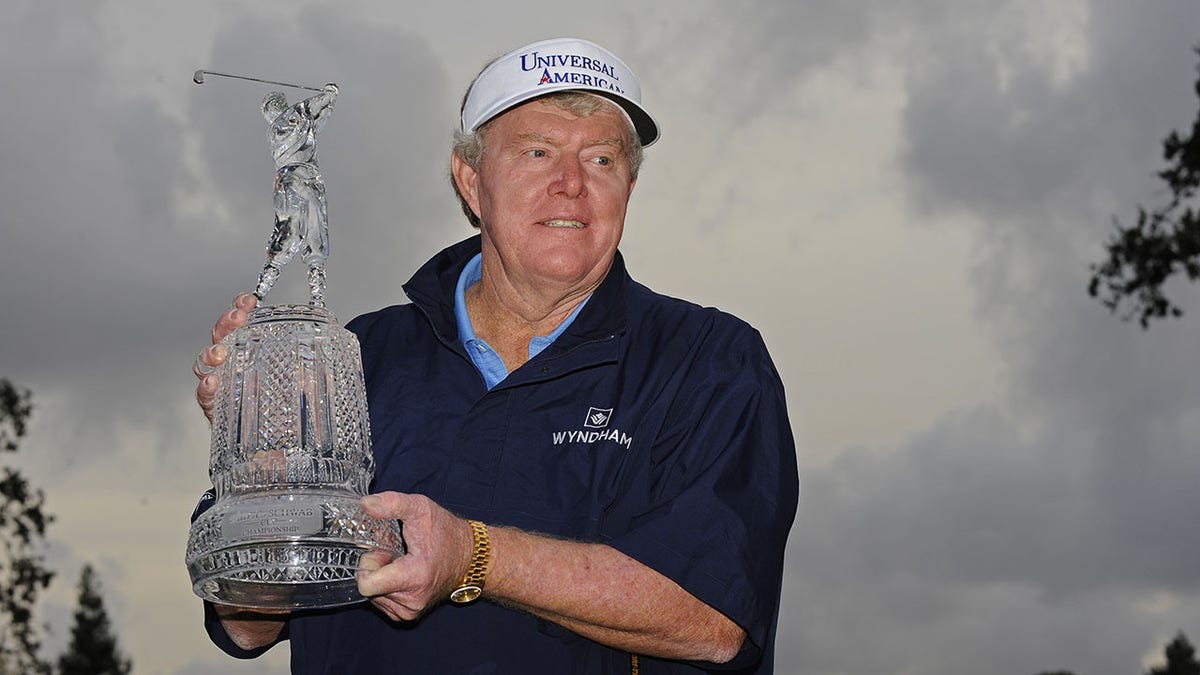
x: 610, y: 469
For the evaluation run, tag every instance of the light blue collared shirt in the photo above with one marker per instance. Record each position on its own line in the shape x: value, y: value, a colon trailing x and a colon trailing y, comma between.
x: 489, y: 363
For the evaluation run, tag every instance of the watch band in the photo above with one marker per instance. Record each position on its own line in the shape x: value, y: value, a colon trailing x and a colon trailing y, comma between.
x: 472, y: 584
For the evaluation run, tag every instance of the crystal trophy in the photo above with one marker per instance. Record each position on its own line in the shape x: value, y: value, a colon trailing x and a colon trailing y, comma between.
x: 291, y: 442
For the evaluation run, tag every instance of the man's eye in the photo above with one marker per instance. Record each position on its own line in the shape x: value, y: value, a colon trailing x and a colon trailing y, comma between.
x: 603, y: 161
x: 536, y: 153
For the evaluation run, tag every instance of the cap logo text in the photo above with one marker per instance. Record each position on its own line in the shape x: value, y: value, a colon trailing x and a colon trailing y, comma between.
x: 534, y: 61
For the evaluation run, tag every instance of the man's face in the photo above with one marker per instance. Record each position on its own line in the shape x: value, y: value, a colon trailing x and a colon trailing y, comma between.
x: 550, y: 193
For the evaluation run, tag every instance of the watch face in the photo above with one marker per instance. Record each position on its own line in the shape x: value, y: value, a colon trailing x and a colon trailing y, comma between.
x: 466, y: 594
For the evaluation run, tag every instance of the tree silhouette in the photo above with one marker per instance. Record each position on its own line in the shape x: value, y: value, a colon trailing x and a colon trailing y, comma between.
x: 1181, y: 658
x: 1164, y: 243
x: 22, y: 528
x: 93, y: 649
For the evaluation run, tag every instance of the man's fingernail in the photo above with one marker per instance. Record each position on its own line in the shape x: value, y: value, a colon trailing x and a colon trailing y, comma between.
x: 372, y: 501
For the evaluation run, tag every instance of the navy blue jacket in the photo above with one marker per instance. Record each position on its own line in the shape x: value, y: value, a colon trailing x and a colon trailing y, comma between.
x: 651, y: 424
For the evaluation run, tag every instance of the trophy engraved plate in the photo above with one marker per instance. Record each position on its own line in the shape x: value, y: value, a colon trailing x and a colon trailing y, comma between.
x: 285, y: 519
x: 291, y: 442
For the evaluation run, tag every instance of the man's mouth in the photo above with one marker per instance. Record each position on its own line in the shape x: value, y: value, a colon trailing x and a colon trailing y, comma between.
x: 574, y: 224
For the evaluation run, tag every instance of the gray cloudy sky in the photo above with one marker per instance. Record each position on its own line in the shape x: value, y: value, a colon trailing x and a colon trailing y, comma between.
x: 998, y: 476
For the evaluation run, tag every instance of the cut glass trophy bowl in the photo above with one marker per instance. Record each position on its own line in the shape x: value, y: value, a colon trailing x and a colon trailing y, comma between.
x: 291, y: 460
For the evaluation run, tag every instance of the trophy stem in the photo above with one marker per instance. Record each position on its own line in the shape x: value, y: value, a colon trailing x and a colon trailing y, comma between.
x: 316, y: 284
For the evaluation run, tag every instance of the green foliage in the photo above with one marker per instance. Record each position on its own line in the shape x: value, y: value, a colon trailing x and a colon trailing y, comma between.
x: 93, y: 649
x: 23, y: 573
x: 1165, y: 242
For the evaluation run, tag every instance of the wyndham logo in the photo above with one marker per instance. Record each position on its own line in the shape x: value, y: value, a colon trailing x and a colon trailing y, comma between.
x: 595, y: 430
x: 597, y: 418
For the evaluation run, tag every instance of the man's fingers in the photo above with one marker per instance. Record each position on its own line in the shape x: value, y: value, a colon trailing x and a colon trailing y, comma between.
x: 246, y: 301
x: 394, y: 610
x: 397, y: 605
x: 389, y: 505
x: 381, y: 580
x: 206, y: 363
x: 235, y: 316
x: 209, y: 359
x: 199, y: 368
x: 374, y: 560
x: 229, y: 321
x: 397, y: 611
x: 385, y: 608
x: 206, y: 391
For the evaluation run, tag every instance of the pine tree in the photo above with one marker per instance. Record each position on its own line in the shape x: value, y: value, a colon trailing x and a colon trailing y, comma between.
x: 23, y: 573
x: 1181, y: 658
x: 93, y: 649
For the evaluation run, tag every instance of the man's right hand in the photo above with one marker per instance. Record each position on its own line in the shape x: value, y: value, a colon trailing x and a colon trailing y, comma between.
x: 213, y: 356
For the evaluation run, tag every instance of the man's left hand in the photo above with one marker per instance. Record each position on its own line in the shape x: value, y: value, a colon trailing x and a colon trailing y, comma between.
x: 439, y: 553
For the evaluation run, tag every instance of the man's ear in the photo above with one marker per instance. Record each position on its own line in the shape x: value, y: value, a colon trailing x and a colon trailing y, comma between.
x: 467, y: 180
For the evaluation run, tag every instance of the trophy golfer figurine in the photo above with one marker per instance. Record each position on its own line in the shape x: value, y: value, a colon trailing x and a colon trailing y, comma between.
x: 301, y: 224
x: 291, y: 441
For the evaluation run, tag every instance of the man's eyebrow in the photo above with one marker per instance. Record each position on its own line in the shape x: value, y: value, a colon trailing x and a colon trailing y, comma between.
x: 618, y: 142
x: 530, y: 136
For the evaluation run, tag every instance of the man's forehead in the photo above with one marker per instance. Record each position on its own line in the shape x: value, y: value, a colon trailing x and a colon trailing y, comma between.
x: 523, y: 121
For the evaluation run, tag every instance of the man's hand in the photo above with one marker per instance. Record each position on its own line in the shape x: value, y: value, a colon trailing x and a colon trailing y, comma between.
x: 251, y: 628
x: 213, y: 356
x: 440, y: 545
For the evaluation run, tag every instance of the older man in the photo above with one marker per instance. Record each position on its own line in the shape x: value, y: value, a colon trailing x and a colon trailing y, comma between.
x: 608, y: 470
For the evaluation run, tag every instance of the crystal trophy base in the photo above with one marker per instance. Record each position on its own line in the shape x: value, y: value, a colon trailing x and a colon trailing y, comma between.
x: 285, y: 551
x: 291, y: 462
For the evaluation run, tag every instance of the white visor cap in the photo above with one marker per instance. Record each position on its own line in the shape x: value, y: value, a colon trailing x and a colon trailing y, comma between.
x: 560, y: 64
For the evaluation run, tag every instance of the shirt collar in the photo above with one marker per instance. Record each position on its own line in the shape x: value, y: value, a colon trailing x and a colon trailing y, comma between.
x: 486, y: 360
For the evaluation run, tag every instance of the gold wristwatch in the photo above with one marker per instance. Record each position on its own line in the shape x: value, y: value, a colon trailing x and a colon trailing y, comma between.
x: 472, y: 584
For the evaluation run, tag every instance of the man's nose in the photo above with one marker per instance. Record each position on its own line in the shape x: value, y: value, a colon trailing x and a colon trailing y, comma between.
x: 570, y: 180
